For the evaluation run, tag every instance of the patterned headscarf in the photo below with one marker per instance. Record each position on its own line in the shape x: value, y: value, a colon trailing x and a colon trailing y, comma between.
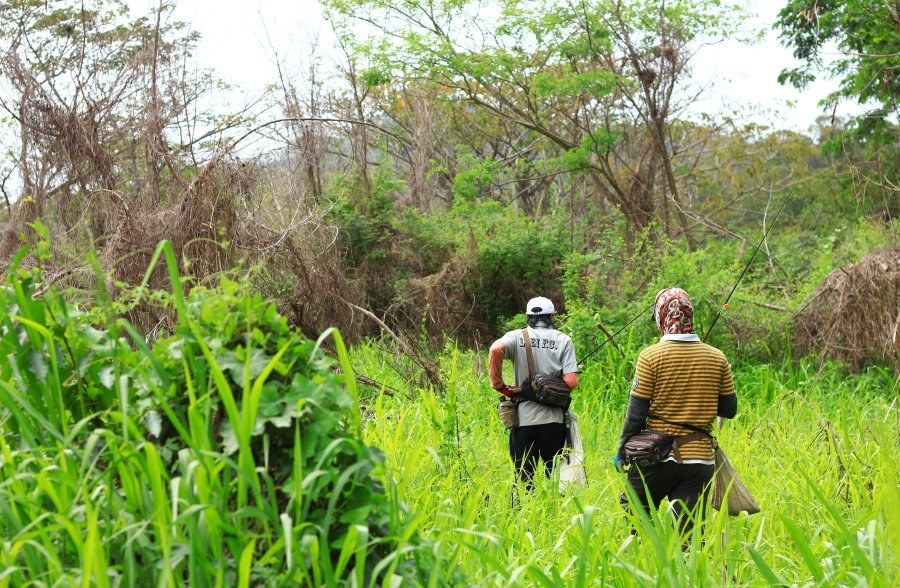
x: 673, y: 311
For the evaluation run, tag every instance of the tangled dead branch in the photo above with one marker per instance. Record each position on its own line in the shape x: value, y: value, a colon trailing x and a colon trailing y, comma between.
x: 98, y: 185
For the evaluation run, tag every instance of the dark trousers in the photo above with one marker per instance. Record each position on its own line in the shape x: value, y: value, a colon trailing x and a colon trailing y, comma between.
x: 685, y: 485
x: 527, y: 444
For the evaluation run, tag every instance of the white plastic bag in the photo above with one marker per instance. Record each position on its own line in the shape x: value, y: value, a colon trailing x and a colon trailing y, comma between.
x: 571, y: 463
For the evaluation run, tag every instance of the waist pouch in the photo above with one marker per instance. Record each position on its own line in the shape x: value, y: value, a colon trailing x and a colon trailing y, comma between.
x: 547, y: 390
x: 648, y: 448
x: 508, y: 410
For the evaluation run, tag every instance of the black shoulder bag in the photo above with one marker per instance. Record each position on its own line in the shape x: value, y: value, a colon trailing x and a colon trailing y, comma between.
x: 543, y: 388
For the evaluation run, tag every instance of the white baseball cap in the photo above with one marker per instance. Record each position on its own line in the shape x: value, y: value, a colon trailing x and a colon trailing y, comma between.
x: 539, y: 305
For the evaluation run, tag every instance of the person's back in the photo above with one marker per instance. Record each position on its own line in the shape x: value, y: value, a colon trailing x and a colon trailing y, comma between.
x: 553, y: 355
x: 683, y: 379
x: 680, y: 385
x: 541, y: 430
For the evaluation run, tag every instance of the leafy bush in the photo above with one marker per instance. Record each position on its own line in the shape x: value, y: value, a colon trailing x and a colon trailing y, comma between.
x: 517, y: 258
x: 604, y: 289
x: 229, y: 452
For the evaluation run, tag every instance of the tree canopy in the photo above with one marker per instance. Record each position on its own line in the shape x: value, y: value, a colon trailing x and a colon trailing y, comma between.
x: 866, y: 37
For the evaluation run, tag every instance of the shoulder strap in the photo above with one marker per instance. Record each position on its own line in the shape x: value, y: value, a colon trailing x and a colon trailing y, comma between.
x: 528, y: 354
x: 685, y: 425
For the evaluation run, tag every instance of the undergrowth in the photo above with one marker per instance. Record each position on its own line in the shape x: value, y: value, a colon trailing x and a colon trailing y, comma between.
x: 814, y: 444
x: 233, y: 451
x: 227, y: 454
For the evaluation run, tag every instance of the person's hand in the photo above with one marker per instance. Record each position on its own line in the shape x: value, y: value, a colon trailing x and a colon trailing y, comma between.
x: 509, y: 391
x: 619, y: 464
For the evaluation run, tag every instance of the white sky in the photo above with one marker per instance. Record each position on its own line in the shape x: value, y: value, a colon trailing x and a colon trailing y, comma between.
x: 240, y: 38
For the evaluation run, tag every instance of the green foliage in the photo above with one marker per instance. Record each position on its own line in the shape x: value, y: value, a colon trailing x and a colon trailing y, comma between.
x: 475, y: 179
x: 799, y: 442
x: 228, y: 453
x: 552, y: 88
x: 365, y: 223
x: 507, y: 257
x: 427, y: 241
x: 867, y: 35
x: 516, y: 259
x: 232, y: 452
x: 366, y: 233
x: 554, y: 84
x: 602, y: 288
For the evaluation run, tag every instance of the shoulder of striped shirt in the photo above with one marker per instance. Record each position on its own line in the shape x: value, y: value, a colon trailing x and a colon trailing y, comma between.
x: 653, y: 349
x: 660, y: 346
x: 693, y: 345
x: 654, y: 352
x: 719, y: 353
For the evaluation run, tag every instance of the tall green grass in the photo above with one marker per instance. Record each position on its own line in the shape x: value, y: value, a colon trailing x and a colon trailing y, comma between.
x: 236, y: 452
x: 228, y: 454
x: 816, y: 446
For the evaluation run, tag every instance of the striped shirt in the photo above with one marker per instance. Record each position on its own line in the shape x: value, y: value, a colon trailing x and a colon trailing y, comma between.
x: 683, y: 379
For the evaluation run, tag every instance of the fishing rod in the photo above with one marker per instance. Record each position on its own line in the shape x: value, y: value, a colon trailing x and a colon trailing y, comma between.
x: 634, y: 318
x: 749, y: 263
x: 685, y: 278
x: 725, y: 306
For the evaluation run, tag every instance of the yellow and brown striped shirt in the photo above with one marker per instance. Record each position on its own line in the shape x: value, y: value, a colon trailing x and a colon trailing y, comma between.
x: 683, y: 381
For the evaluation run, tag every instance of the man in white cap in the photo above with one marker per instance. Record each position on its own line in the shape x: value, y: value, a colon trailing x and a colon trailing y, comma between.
x: 542, y: 431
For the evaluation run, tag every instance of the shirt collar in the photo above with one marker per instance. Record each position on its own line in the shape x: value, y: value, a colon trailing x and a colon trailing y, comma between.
x: 683, y: 337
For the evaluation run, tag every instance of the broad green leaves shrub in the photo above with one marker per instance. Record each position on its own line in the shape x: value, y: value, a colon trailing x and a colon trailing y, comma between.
x: 523, y: 259
x: 59, y: 367
x: 228, y: 451
x: 299, y: 393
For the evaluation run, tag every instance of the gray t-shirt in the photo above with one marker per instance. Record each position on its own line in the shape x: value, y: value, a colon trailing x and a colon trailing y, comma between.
x: 553, y: 353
